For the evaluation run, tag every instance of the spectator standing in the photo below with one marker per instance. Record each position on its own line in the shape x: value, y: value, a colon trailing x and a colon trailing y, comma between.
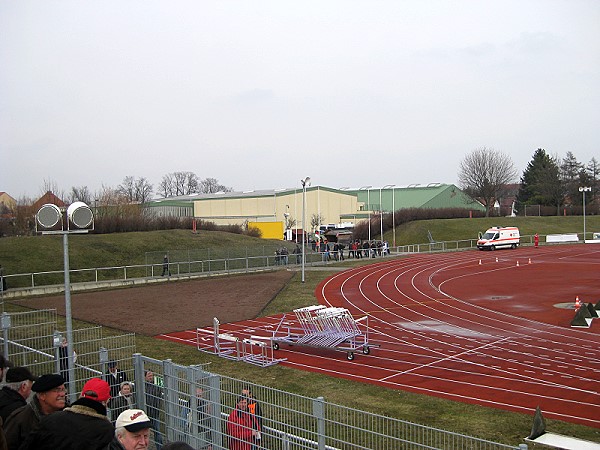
x: 203, y: 410
x: 154, y: 405
x: 49, y: 398
x: 114, y: 377
x: 63, y: 361
x: 166, y: 268
x: 256, y: 412
x: 83, y: 425
x: 132, y: 431
x: 15, y: 392
x: 298, y: 252
x: 121, y: 402
x: 241, y: 427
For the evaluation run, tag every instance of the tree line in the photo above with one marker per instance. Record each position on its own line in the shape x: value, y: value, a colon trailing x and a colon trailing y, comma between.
x: 549, y: 181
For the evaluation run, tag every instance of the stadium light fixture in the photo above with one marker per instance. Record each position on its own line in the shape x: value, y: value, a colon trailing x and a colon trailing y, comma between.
x: 79, y: 220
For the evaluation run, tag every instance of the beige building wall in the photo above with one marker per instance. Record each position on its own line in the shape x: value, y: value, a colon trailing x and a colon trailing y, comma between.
x: 232, y: 209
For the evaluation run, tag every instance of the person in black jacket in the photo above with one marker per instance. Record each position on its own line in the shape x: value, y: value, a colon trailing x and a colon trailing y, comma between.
x: 83, y: 425
x: 16, y: 391
x: 49, y: 398
x: 114, y: 377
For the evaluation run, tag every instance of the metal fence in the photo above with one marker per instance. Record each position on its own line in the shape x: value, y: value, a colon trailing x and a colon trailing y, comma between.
x: 191, y: 404
x: 207, y: 262
x: 33, y: 339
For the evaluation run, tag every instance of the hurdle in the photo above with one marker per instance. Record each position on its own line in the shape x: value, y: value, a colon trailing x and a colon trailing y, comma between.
x: 322, y: 327
x: 253, y: 350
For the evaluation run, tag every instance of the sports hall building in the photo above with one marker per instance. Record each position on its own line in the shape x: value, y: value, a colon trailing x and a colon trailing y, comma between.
x: 332, y: 206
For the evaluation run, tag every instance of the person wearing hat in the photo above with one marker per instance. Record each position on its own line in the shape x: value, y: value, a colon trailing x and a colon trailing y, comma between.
x: 49, y: 398
x: 114, y: 376
x: 132, y: 431
x: 83, y: 425
x: 16, y: 391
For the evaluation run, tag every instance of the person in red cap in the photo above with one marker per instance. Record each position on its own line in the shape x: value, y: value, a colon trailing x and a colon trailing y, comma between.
x: 83, y: 425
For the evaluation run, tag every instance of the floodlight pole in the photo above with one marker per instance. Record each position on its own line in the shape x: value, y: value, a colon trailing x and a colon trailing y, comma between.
x: 68, y: 317
x: 305, y: 181
x: 584, y: 189
x: 47, y: 218
x: 387, y: 186
x: 368, y: 206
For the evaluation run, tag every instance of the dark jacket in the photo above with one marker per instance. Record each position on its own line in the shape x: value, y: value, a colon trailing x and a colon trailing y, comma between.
x: 21, y: 422
x: 9, y: 401
x: 115, y: 381
x: 115, y: 445
x: 82, y: 426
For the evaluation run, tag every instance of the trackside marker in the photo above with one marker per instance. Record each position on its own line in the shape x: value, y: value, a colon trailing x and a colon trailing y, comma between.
x: 479, y: 262
x: 496, y: 259
x: 577, y: 302
x: 517, y: 263
x: 529, y: 262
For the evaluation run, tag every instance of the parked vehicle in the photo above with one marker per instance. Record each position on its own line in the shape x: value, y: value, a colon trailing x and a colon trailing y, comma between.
x: 499, y: 237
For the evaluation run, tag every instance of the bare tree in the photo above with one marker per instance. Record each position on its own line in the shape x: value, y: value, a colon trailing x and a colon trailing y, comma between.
x: 179, y: 183
x: 316, y: 220
x: 52, y: 186
x: 484, y: 174
x: 135, y: 191
x: 212, y: 185
x: 80, y: 194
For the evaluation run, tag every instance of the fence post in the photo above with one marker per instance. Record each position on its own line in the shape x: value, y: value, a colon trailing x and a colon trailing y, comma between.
x: 139, y: 378
x: 5, y: 327
x: 319, y: 414
x: 171, y: 400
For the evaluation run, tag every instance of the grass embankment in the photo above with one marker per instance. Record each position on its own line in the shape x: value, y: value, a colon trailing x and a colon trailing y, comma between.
x: 31, y: 254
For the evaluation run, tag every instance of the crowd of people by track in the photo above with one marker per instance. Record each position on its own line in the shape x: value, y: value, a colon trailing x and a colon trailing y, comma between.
x: 335, y: 251
x: 35, y: 414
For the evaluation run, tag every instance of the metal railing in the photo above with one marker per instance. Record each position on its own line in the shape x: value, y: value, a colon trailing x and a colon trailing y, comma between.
x: 229, y: 264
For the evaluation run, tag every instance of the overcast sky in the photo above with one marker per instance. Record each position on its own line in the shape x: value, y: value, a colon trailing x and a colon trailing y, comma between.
x: 259, y: 94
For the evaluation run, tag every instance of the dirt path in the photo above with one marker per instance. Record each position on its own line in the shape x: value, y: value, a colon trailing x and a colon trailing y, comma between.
x: 167, y: 307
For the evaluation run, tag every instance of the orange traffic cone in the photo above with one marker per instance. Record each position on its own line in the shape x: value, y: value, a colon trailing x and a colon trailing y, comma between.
x: 577, y: 302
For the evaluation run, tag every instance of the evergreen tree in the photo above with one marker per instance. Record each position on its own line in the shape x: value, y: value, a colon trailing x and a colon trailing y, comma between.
x: 570, y: 175
x: 540, y: 183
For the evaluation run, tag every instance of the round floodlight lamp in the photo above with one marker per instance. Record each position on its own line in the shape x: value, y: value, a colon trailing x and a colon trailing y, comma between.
x: 48, y: 215
x: 80, y: 214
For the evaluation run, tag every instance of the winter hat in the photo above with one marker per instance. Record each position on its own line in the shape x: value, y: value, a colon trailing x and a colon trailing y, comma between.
x: 17, y: 374
x: 47, y: 382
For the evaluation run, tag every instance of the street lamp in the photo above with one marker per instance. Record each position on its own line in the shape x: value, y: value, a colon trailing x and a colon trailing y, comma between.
x: 387, y: 186
x: 305, y: 182
x: 584, y: 189
x: 368, y: 205
x: 80, y: 220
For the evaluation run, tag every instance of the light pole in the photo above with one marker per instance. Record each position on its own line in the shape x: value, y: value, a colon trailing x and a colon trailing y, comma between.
x: 387, y: 186
x: 584, y: 189
x: 305, y: 182
x: 368, y: 205
x: 80, y: 216
x: 380, y: 216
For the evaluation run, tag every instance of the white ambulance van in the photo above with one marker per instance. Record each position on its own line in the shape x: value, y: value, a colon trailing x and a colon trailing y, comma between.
x: 499, y: 237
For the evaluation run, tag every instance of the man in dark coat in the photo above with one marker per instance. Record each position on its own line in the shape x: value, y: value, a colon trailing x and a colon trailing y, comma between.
x: 83, y: 425
x: 16, y: 391
x: 114, y: 377
x: 49, y: 398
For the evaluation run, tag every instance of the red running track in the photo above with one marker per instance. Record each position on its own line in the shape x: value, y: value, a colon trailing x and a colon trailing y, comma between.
x: 488, y: 328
